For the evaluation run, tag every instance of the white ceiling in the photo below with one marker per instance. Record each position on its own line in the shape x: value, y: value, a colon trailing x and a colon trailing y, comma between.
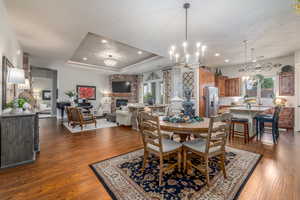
x: 52, y: 30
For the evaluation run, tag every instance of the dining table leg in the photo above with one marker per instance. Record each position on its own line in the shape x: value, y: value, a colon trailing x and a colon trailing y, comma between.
x: 183, y: 136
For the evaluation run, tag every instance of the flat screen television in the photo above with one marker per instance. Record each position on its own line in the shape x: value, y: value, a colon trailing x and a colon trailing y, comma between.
x: 121, y: 87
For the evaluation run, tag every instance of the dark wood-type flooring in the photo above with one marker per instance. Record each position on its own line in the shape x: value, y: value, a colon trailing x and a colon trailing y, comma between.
x: 62, y: 168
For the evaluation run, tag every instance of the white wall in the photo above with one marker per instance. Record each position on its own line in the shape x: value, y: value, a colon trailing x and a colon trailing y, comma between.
x: 9, y: 45
x: 297, y: 84
x: 233, y: 71
x: 68, y: 77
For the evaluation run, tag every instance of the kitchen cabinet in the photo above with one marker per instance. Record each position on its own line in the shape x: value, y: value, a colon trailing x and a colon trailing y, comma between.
x: 220, y: 83
x: 232, y: 87
x: 286, y: 84
x: 206, y: 78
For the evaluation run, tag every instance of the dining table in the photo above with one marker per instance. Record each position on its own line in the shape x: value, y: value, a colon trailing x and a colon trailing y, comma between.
x: 185, y: 130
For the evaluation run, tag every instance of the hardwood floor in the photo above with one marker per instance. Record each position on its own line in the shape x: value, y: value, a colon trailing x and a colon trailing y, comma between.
x: 62, y: 172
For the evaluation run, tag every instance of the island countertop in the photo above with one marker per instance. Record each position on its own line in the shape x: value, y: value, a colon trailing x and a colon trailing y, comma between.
x: 252, y: 109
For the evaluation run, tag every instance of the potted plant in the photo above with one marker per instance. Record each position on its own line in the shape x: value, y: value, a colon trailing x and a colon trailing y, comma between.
x: 71, y: 94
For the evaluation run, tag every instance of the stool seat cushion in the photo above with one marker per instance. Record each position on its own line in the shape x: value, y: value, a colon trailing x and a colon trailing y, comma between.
x: 234, y: 119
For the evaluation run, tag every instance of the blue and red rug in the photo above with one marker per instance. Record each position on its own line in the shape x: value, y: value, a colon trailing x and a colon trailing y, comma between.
x: 123, y: 178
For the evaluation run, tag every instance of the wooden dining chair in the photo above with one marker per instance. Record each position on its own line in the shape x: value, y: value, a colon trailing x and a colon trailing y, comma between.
x: 157, y: 145
x: 209, y: 145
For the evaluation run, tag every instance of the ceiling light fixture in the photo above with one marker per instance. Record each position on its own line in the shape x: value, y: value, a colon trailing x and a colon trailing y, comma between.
x: 110, y: 61
x: 188, y: 55
x: 217, y: 54
x: 84, y: 58
x: 104, y: 41
x: 140, y: 52
x: 227, y: 61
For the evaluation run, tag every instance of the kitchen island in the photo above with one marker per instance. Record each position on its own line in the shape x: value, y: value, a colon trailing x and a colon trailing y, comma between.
x: 248, y: 113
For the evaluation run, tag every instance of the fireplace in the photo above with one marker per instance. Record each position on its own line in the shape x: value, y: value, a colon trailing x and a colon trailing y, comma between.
x: 121, y: 102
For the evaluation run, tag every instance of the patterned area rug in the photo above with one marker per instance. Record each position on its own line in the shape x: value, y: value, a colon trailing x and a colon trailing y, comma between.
x: 101, y: 123
x: 123, y: 178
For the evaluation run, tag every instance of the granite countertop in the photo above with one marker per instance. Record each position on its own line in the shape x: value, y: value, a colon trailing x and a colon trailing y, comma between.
x: 253, y: 108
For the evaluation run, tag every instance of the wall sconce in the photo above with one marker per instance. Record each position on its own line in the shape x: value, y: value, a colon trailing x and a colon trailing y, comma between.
x: 25, y: 86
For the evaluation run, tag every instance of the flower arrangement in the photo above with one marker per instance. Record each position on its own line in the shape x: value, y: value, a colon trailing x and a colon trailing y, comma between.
x: 16, y: 103
x: 182, y: 119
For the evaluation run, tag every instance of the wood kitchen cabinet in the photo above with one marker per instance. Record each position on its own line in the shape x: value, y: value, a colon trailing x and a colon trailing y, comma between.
x: 220, y: 83
x: 286, y: 84
x: 206, y: 78
x: 232, y: 87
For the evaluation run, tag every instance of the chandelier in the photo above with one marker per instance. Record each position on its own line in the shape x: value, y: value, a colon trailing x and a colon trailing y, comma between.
x: 188, y: 54
x: 110, y: 62
x: 254, y: 65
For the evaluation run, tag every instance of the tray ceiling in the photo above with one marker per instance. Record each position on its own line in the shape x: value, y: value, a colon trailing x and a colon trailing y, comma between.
x: 94, y: 49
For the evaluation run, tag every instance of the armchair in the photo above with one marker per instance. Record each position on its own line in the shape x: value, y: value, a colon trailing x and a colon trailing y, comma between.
x: 78, y: 118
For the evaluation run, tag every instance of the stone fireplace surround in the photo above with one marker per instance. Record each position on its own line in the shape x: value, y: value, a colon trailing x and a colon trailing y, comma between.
x: 132, y: 97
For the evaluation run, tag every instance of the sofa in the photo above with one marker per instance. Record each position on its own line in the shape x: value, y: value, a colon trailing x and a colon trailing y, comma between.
x: 123, y: 116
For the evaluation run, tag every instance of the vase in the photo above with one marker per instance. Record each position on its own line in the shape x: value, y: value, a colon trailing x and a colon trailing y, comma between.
x: 72, y: 101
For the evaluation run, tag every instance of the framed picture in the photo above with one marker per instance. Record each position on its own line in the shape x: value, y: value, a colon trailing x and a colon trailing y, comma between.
x: 46, y: 94
x: 8, y: 90
x: 86, y: 92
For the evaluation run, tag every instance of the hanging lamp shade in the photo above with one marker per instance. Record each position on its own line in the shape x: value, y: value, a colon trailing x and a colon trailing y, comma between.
x: 25, y: 86
x: 16, y: 76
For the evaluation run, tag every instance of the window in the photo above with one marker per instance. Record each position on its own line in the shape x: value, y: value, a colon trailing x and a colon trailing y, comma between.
x: 265, y: 87
x: 251, y: 88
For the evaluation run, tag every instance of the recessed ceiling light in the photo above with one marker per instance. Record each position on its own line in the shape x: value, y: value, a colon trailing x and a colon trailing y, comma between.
x: 140, y: 52
x: 19, y: 52
x: 104, y: 41
x: 217, y: 54
x: 226, y: 60
x: 84, y: 58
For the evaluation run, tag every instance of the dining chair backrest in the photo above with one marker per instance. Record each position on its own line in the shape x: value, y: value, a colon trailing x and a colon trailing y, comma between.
x: 276, y: 113
x: 220, y: 132
x: 150, y: 130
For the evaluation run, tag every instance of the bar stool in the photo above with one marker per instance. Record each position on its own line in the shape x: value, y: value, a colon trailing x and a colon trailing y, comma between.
x: 273, y: 119
x: 240, y: 121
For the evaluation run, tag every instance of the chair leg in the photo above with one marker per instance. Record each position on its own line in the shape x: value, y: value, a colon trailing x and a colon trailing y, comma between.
x: 273, y: 133
x: 207, y: 172
x: 179, y: 160
x: 223, y: 158
x: 232, y: 132
x: 184, y: 159
x: 245, y: 133
x: 161, y: 170
x: 145, y: 160
x: 261, y: 124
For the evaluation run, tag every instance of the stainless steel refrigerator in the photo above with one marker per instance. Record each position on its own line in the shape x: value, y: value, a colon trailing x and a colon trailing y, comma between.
x: 211, y: 96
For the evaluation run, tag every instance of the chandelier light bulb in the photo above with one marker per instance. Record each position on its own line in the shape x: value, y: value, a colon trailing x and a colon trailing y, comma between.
x: 176, y: 57
x: 187, y: 57
x: 173, y: 48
